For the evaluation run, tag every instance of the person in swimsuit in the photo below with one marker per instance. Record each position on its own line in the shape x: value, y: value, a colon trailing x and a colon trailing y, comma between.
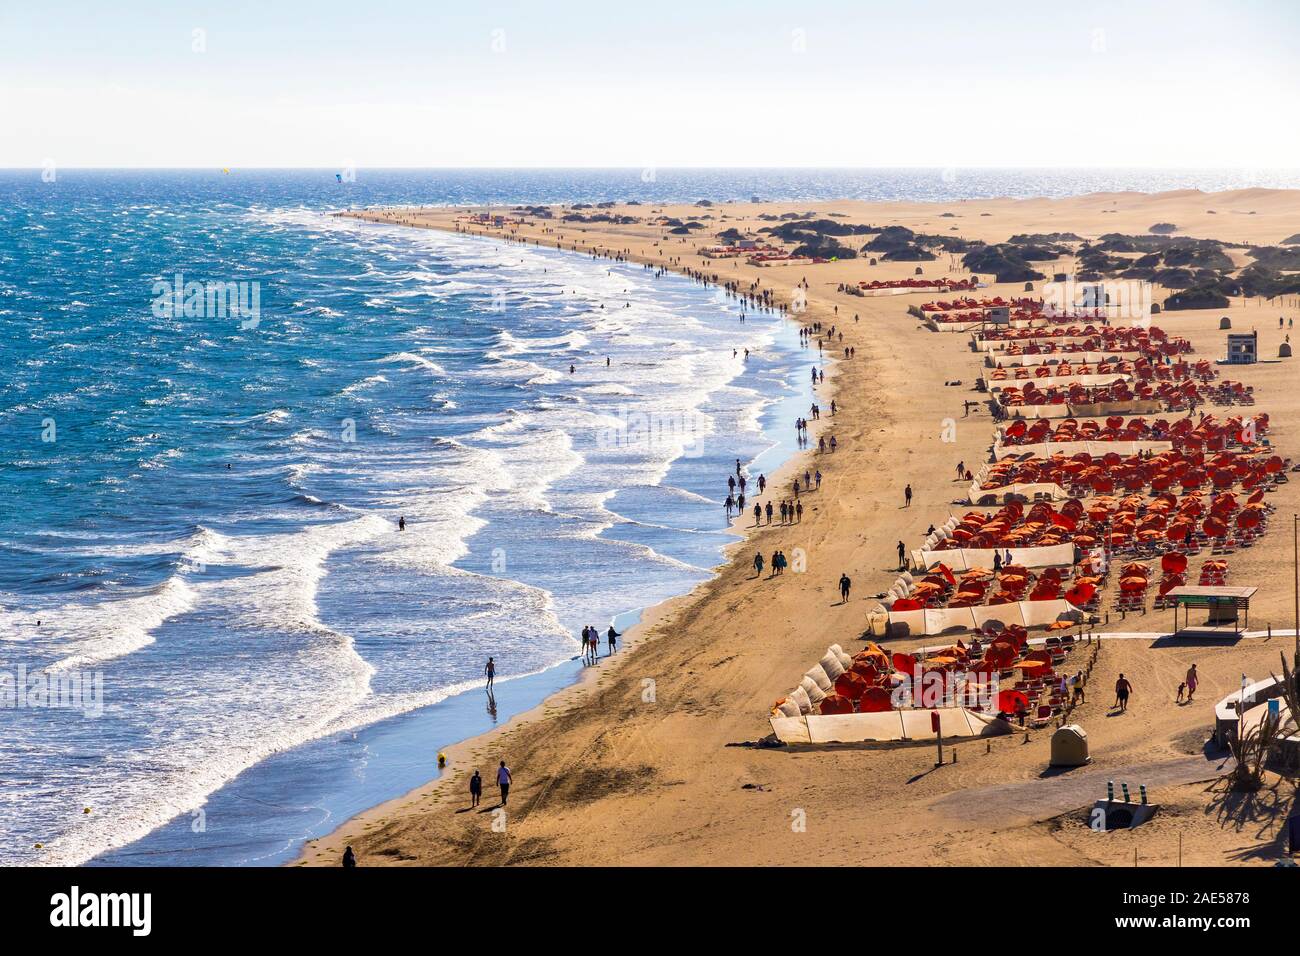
x: 1122, y: 689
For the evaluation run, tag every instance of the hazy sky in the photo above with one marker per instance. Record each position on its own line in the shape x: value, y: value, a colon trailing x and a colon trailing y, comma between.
x: 617, y: 83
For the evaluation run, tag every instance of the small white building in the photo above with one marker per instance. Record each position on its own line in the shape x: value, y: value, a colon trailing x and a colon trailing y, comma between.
x: 1243, y: 348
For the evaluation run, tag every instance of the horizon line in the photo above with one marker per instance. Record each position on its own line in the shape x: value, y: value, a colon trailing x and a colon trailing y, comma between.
x: 218, y: 165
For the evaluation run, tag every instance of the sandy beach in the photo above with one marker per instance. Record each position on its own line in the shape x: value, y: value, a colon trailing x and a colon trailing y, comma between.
x: 651, y: 758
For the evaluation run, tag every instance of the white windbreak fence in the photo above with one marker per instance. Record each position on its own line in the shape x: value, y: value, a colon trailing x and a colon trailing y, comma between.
x: 1098, y: 449
x: 994, y: 359
x: 1137, y: 406
x: 938, y: 620
x: 937, y: 326
x: 963, y: 559
x: 1001, y: 345
x: 975, y: 494
x: 954, y: 722
x: 1061, y: 381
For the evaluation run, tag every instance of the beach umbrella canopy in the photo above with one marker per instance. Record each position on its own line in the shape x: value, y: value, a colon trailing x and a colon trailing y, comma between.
x: 835, y: 704
x: 1009, y: 699
x: 875, y: 700
x: 1174, y: 561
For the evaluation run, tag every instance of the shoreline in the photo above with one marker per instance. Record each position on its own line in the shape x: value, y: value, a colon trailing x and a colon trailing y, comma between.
x: 372, y: 756
x: 631, y: 640
x: 721, y: 653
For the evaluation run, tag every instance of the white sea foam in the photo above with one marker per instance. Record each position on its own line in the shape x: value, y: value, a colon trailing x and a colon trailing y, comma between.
x: 278, y: 674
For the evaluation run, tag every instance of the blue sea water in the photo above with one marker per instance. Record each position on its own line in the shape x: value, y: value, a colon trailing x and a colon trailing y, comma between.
x: 201, y: 512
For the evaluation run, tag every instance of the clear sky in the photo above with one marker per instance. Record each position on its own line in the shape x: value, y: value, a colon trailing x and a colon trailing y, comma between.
x: 672, y: 83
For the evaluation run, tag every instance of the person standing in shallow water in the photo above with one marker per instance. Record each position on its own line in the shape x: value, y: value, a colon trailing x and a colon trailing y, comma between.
x: 490, y: 669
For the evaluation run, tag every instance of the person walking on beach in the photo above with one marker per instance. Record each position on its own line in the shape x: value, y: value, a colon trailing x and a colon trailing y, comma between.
x: 504, y: 779
x: 611, y: 636
x: 758, y: 515
x: 1122, y: 689
x: 769, y: 512
x: 1191, y: 680
x: 475, y: 789
x: 902, y: 557
x: 845, y: 584
x: 349, y: 859
x: 758, y: 558
x: 784, y: 511
x: 490, y: 669
x: 907, y: 497
x: 798, y: 511
x: 762, y: 483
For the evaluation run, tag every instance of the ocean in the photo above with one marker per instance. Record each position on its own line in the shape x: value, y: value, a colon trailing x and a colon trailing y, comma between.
x: 199, y: 503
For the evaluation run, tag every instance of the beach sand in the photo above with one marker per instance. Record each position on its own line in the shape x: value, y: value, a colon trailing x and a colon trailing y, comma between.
x: 649, y: 760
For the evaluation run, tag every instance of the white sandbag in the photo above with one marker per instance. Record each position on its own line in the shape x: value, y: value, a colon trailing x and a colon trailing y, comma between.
x: 788, y: 708
x: 832, y: 666
x: 818, y: 676
x: 845, y: 660
x: 801, y: 700
x: 809, y: 686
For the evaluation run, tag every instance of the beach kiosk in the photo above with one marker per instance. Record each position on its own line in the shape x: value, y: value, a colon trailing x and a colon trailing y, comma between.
x: 1223, y: 605
x: 998, y: 316
x: 1243, y: 348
